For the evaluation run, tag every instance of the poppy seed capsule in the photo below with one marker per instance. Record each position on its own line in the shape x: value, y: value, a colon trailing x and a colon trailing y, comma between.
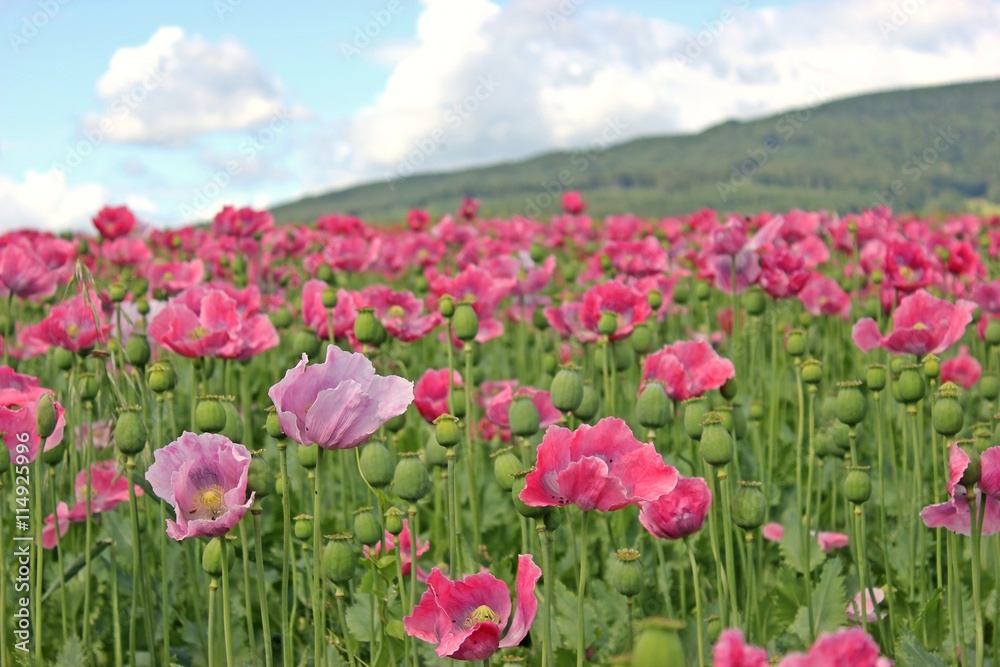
x: 536, y: 252
x: 376, y: 464
x: 756, y: 411
x: 681, y: 293
x: 281, y: 318
x: 857, y: 485
x: 160, y: 377
x: 796, y: 343
x: 63, y: 358
x: 702, y: 290
x: 539, y: 320
x: 447, y: 306
x: 989, y: 386
x: 339, y: 560
x: 137, y: 352
x: 366, y: 528
x: 947, y: 415
x: 394, y: 520
x: 456, y: 402
x: 932, y: 367
x: 716, y: 443
x: 695, y: 410
x: 549, y: 363
x: 505, y: 465
x: 307, y: 456
x: 130, y: 432
x: 589, y: 405
x: 851, y: 403
x: 626, y: 573
x: 641, y: 338
x: 87, y: 386
x: 654, y: 299
x: 566, y: 390
x: 446, y: 431
x: 396, y: 424
x: 659, y: 644
x: 911, y: 385
x: 465, y: 322
x: 523, y: 417
x: 411, y: 481
x: 234, y: 429
x: 117, y: 292
x: 435, y: 455
x: 210, y: 415
x: 53, y: 455
x: 142, y: 305
x: 753, y: 301
x: 728, y: 389
x: 329, y: 298
x: 303, y: 527
x: 992, y: 333
x: 876, y: 377
x: 45, y: 416
x: 211, y: 557
x: 653, y: 406
x: 366, y: 326
x: 607, y: 325
x: 812, y: 371
x: 748, y: 506
x: 260, y: 478
x: 522, y: 508
x: 273, y: 426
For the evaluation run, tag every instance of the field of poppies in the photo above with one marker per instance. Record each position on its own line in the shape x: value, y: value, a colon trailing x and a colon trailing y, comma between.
x: 700, y: 440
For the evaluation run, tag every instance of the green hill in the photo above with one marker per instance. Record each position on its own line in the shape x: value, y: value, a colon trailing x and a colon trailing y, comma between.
x: 938, y: 148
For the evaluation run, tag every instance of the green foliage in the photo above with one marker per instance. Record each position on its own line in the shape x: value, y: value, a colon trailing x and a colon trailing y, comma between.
x: 828, y: 604
x: 911, y: 654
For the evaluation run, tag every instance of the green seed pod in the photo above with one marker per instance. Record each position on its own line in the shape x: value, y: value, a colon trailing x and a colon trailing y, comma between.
x: 411, y: 481
x: 421, y: 285
x: 947, y: 415
x: 396, y: 424
x: 211, y: 557
x: 896, y: 365
x: 812, y: 371
x: 622, y: 354
x: 260, y: 479
x: 505, y: 466
x: 653, y: 407
x: 366, y: 528
x: 876, y: 377
x: 457, y: 402
x: 305, y: 342
x: 87, y: 386
x: 641, y: 338
x: 754, y: 301
x: 117, y: 292
x: 726, y: 416
x: 210, y: 415
x: 756, y: 411
x: 465, y: 322
x: 142, y: 305
x: 589, y: 405
x: 447, y: 306
x: 796, y: 343
x: 376, y: 464
x: 130, y: 431
x: 515, y: 491
x: 566, y: 390
x: 992, y: 333
x: 273, y: 426
x: 550, y: 364
x: 137, y: 352
x: 857, y: 485
x: 366, y: 326
x: 911, y: 385
x: 748, y: 506
x: 394, y: 520
x: 608, y: 324
x: 63, y: 358
x: 989, y: 386
x: 51, y: 456
x: 626, y: 573
x: 932, y: 367
x: 234, y: 429
x: 523, y: 417
x: 658, y: 643
x: 716, y: 443
x: 695, y: 410
x: 681, y: 293
x: 982, y: 438
x: 841, y: 433
x: 654, y: 299
x: 728, y: 389
x: 975, y: 468
x: 851, y: 403
x: 307, y: 455
x: 329, y: 298
x: 339, y: 560
x: 45, y: 416
x: 805, y: 319
x: 303, y: 527
x: 447, y: 432
x: 553, y: 519
x: 281, y: 318
x: 160, y: 377
x: 537, y: 252
x: 435, y: 455
x: 702, y: 290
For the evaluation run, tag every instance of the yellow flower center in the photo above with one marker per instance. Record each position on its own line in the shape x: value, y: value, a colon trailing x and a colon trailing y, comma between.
x: 72, y: 330
x: 209, y: 502
x: 198, y: 333
x: 396, y: 312
x: 482, y: 614
x: 920, y: 326
x: 168, y: 276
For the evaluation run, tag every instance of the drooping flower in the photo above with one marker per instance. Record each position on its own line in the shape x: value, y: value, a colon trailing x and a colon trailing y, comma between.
x: 600, y: 467
x: 731, y: 650
x: 19, y: 397
x: 114, y: 221
x: 430, y: 394
x: 466, y: 618
x: 687, y: 369
x: 955, y: 514
x: 922, y: 324
x: 405, y: 549
x: 680, y: 513
x: 963, y: 370
x: 339, y: 403
x: 204, y: 477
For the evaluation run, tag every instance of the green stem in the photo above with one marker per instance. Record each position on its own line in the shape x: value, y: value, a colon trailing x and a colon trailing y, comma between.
x: 547, y: 579
x: 36, y: 510
x: 226, y: 624
x: 697, y: 603
x: 470, y: 421
x: 116, y: 623
x: 580, y: 643
x: 977, y: 515
x: 861, y: 538
x: 451, y: 489
x: 247, y: 600
x: 261, y: 589
x: 883, y: 530
x: 287, y: 644
x: 749, y: 623
x: 88, y: 453
x: 343, y: 621
x: 317, y: 604
x: 414, y: 550
x: 727, y: 532
x: 212, y: 588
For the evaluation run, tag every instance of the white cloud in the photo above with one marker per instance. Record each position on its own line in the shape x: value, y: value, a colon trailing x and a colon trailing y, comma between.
x: 44, y: 201
x: 175, y: 87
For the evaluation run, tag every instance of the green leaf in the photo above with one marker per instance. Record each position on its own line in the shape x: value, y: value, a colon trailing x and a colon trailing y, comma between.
x: 395, y: 629
x: 934, y: 622
x: 791, y: 545
x: 358, y: 619
x: 828, y: 604
x: 912, y: 654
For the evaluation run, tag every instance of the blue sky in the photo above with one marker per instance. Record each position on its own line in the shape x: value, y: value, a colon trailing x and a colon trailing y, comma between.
x: 178, y: 108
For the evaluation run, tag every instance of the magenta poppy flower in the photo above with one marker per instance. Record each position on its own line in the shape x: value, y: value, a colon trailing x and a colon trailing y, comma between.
x: 680, y: 513
x: 964, y: 370
x: 316, y: 316
x: 339, y: 403
x: 60, y: 518
x: 600, y: 467
x: 989, y: 477
x: 23, y: 273
x: 782, y: 273
x: 687, y: 369
x: 126, y: 252
x: 625, y: 302
x: 114, y: 221
x: 772, y: 532
x: 921, y: 325
x: 954, y: 514
x: 852, y: 647
x: 405, y: 549
x: 196, y: 323
x: 465, y: 618
x: 204, y: 477
x: 572, y: 203
x: 731, y: 650
x: 401, y: 313
x: 469, y: 209
x: 486, y: 291
x: 231, y: 221
x: 824, y: 296
x: 871, y: 606
x: 418, y: 219
x: 828, y: 541
x: 637, y: 259
x: 499, y: 405
x: 565, y: 319
x: 71, y: 325
x: 109, y: 488
x: 987, y: 295
x: 731, y: 243
x: 430, y: 394
x: 175, y: 277
x: 910, y: 266
x: 19, y: 397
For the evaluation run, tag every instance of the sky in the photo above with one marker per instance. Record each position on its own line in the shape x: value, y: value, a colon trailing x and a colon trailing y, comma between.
x: 177, y: 108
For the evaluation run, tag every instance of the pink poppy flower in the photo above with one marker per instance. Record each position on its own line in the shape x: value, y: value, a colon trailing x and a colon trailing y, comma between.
x: 730, y: 242
x: 852, y: 647
x: 824, y: 296
x: 687, y: 369
x: 175, y: 277
x: 126, y: 252
x: 231, y: 221
x: 565, y: 319
x: 921, y: 325
x: 680, y: 513
x: 19, y: 397
x: 829, y: 541
x: 342, y: 224
x: 499, y: 405
x: 23, y: 273
x: 572, y: 203
x: 405, y: 549
x: 486, y: 291
x: 989, y: 477
x: 955, y: 514
x: 254, y: 335
x: 418, y: 219
x: 469, y: 209
x: 963, y: 370
x: 430, y: 394
x: 782, y: 273
x: 339, y: 403
x: 871, y: 606
x: 49, y: 529
x: 773, y: 532
x: 109, y: 488
x: 637, y: 259
x: 71, y: 325
x: 204, y: 478
x: 731, y: 650
x: 465, y: 618
x: 196, y: 323
x: 600, y: 467
x: 987, y: 295
x: 625, y: 302
x: 114, y: 221
x: 909, y: 266
x: 316, y: 316
x: 401, y: 313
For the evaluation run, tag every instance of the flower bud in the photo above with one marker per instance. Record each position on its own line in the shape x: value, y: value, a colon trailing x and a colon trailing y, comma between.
x: 753, y: 301
x: 465, y: 322
x: 117, y: 292
x: 975, y: 468
x: 523, y: 417
x: 446, y: 431
x: 658, y: 643
x: 728, y: 389
x: 857, y: 485
x: 211, y: 557
x: 654, y: 299
x: 305, y: 342
x: 281, y: 318
x: 748, y: 506
x: 626, y: 573
x: 812, y: 371
x: 339, y: 559
x: 142, y: 305
x: 210, y: 415
x: 641, y: 338
x: 307, y: 455
x: 260, y: 478
x: 447, y: 306
x: 303, y: 527
x: 947, y: 415
x: 329, y: 298
x: 756, y: 411
x: 989, y: 385
x: 876, y: 377
x: 796, y: 343
x: 702, y: 290
x: 505, y: 466
x: 234, y: 429
x: 376, y: 464
x: 982, y: 437
x: 411, y: 481
x: 681, y: 293
x: 695, y: 410
x: 608, y: 324
x: 273, y: 425
x: 911, y: 385
x: 992, y: 333
x: 566, y: 390
x: 456, y: 402
x: 394, y: 520
x: 851, y: 403
x: 589, y: 405
x: 160, y: 377
x: 137, y: 352
x: 515, y: 492
x: 63, y: 358
x: 45, y: 416
x: 653, y: 407
x: 87, y: 386
x: 366, y: 528
x: 716, y: 443
x: 932, y: 367
x: 52, y: 456
x: 130, y: 431
x: 366, y: 326
x: 537, y: 252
